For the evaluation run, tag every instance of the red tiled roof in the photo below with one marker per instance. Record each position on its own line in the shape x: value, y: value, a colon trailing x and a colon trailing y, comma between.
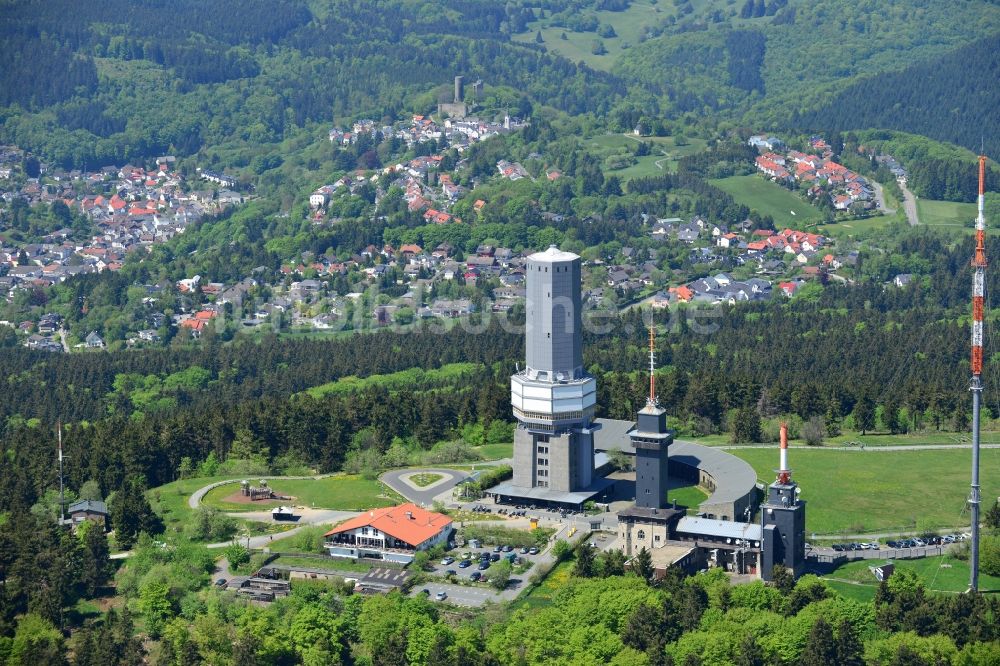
x: 406, y: 522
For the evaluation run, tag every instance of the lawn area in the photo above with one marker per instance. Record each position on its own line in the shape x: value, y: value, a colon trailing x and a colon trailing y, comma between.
x: 852, y: 438
x: 496, y: 451
x: 940, y: 574
x: 170, y: 501
x: 686, y: 495
x: 344, y: 492
x: 325, y: 563
x: 946, y: 213
x: 767, y: 198
x: 857, y: 492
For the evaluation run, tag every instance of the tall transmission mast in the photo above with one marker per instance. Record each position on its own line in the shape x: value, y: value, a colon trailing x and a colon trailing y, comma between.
x: 976, y: 385
x: 652, y: 367
x: 62, y: 502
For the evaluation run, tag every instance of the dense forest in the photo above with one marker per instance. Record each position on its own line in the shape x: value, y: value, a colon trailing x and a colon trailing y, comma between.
x: 945, y: 99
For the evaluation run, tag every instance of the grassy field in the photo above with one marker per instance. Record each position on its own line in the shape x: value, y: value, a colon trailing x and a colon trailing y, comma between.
x: 873, y: 439
x: 663, y: 157
x: 767, y: 198
x: 170, y: 501
x: 496, y: 451
x: 858, y: 492
x: 858, y: 228
x: 946, y: 213
x: 347, y: 493
x: 940, y: 574
x: 577, y: 45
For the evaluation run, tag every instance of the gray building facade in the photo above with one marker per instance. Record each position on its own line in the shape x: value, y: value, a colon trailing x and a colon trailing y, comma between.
x: 651, y: 440
x: 783, y: 523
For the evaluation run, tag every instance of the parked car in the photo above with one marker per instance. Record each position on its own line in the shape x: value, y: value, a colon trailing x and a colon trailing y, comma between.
x: 221, y: 582
x: 532, y: 551
x: 475, y: 576
x: 448, y: 560
x: 497, y: 549
x: 507, y: 548
x: 441, y: 596
x: 524, y: 550
x: 483, y: 566
x: 495, y: 557
x: 465, y: 564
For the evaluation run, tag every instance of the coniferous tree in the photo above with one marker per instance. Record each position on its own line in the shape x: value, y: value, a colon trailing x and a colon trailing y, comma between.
x: 132, y: 514
x: 864, y: 413
x: 850, y: 651
x: 642, y: 565
x: 95, y: 562
x: 821, y: 649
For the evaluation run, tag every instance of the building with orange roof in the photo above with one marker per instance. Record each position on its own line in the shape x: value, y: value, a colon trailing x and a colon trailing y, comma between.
x: 392, y: 533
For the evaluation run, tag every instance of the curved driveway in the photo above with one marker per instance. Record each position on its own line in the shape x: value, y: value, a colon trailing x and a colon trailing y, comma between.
x: 398, y: 481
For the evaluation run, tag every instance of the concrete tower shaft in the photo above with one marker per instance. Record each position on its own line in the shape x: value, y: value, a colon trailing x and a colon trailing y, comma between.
x: 554, y: 323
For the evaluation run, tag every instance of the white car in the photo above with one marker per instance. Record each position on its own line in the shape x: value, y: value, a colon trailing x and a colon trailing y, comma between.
x: 441, y: 596
x: 448, y: 560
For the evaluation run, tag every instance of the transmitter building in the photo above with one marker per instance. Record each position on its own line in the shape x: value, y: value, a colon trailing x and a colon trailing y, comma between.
x: 553, y: 398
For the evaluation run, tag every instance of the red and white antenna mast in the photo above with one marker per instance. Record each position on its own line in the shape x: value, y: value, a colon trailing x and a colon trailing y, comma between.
x: 652, y: 367
x: 784, y: 474
x: 976, y: 385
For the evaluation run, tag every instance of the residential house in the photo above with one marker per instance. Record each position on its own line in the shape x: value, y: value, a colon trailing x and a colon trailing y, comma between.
x: 94, y: 341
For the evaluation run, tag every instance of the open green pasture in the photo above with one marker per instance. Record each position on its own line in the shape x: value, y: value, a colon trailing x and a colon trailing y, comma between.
x: 662, y: 158
x: 577, y: 46
x: 860, y: 228
x: 170, y: 501
x: 946, y: 214
x: 767, y: 198
x: 346, y: 493
x: 939, y: 574
x: 871, y: 491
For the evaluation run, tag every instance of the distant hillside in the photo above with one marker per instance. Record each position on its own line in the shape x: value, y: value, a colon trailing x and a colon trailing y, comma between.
x: 91, y: 83
x: 801, y: 56
x: 953, y: 98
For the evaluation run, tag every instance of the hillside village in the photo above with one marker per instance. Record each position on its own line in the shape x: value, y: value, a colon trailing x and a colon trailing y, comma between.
x: 824, y: 178
x: 134, y: 207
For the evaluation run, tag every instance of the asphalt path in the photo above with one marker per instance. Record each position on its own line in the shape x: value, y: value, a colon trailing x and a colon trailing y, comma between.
x: 910, y: 206
x: 399, y: 481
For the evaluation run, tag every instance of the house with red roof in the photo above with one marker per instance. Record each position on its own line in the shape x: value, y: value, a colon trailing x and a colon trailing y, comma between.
x: 392, y: 533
